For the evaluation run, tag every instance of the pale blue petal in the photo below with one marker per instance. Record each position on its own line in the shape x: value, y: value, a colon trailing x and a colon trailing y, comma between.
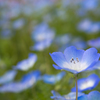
x: 94, y: 95
x: 52, y: 79
x: 96, y: 66
x: 59, y: 59
x: 71, y: 95
x: 72, y: 52
x: 87, y: 83
x: 90, y: 56
x: 27, y: 63
x: 85, y: 97
x: 8, y: 76
x: 27, y: 81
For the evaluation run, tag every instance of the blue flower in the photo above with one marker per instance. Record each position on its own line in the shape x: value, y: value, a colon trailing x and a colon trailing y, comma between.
x: 8, y: 77
x: 95, y: 27
x: 89, y: 4
x: 42, y: 32
x: 70, y: 96
x: 27, y: 63
x: 94, y: 95
x: 74, y: 60
x: 88, y: 26
x: 27, y: 81
x: 43, y: 37
x: 87, y: 83
x: 84, y: 25
x: 94, y: 42
x: 52, y: 79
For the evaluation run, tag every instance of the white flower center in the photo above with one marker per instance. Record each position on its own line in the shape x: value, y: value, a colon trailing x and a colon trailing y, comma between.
x: 75, y: 64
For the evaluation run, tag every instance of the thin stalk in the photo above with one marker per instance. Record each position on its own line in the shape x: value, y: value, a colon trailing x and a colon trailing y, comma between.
x: 76, y: 87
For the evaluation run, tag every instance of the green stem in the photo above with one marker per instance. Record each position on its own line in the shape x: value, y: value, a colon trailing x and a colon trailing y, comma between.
x: 76, y: 87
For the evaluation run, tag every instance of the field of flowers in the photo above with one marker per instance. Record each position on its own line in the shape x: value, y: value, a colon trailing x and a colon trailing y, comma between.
x: 34, y: 35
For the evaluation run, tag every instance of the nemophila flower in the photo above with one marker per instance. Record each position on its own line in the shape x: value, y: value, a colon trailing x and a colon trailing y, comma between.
x: 94, y: 95
x: 43, y: 37
x: 74, y: 60
x: 27, y: 81
x: 87, y: 83
x: 27, y: 63
x: 18, y: 24
x: 8, y: 77
x: 52, y: 79
x: 70, y: 96
x: 42, y: 32
x: 94, y: 42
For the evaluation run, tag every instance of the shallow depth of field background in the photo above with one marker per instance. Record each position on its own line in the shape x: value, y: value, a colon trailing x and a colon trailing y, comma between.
x: 63, y: 17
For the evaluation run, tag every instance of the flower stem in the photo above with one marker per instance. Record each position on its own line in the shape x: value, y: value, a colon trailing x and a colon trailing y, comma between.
x: 76, y: 87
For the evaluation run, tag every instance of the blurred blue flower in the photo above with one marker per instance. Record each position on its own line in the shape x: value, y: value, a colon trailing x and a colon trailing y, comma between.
x: 70, y: 96
x: 88, y: 26
x: 8, y: 77
x: 43, y: 37
x: 74, y: 60
x: 95, y: 27
x: 27, y: 81
x: 89, y: 4
x: 87, y: 83
x: 18, y: 24
x: 94, y: 95
x: 27, y: 63
x: 84, y: 25
x: 94, y: 42
x: 39, y: 46
x: 52, y: 79
x: 42, y: 32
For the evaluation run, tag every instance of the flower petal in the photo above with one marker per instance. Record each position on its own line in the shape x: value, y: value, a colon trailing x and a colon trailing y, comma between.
x: 94, y: 95
x: 87, y: 83
x: 90, y: 56
x: 84, y: 97
x: 72, y: 52
x: 96, y: 66
x: 59, y: 59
